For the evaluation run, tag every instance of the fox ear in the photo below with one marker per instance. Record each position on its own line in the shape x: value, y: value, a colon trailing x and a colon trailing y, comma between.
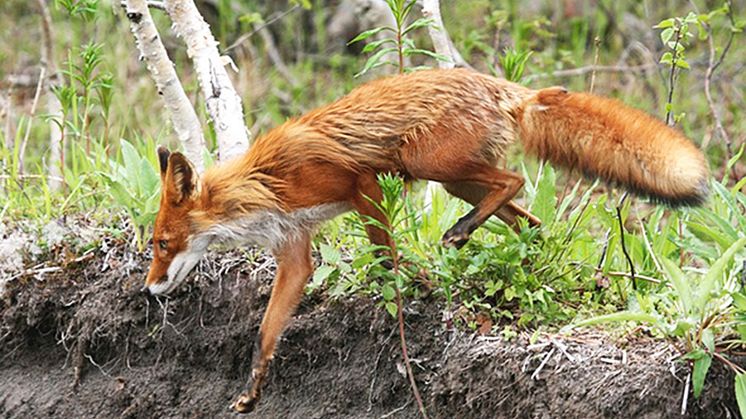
x: 163, y: 154
x: 180, y: 179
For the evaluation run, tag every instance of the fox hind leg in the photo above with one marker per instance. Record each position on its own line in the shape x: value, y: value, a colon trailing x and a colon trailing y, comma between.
x: 469, y: 163
x: 474, y: 193
x: 500, y: 185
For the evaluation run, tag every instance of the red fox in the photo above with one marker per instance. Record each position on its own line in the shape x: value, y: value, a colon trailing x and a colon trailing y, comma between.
x: 449, y: 126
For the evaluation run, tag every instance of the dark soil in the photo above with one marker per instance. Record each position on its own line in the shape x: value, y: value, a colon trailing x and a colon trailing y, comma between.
x: 83, y: 342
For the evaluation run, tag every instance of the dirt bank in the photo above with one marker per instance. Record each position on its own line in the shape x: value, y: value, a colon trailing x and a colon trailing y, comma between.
x: 84, y: 342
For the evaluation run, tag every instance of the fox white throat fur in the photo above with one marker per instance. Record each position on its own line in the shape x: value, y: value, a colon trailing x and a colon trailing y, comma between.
x: 267, y: 228
x: 271, y: 228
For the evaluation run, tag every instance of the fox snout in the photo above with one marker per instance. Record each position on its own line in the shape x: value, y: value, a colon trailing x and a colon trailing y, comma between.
x: 164, y: 277
x: 157, y: 276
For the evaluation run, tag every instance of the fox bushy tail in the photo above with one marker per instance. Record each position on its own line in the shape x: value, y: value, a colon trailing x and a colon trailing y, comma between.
x: 606, y: 139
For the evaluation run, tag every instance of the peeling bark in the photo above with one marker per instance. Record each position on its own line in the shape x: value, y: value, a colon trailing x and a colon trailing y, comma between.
x: 222, y: 101
x: 183, y: 117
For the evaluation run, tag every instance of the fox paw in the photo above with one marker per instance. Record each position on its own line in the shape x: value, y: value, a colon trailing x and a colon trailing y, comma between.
x: 455, y: 238
x: 245, y: 403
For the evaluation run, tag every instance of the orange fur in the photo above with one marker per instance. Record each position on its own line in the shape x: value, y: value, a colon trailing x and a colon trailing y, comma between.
x: 450, y: 126
x: 606, y: 139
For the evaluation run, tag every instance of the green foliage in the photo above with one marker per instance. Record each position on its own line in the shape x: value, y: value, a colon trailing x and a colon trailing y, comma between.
x: 135, y: 187
x: 513, y: 63
x: 741, y: 393
x: 84, y: 9
x: 695, y: 309
x: 398, y: 43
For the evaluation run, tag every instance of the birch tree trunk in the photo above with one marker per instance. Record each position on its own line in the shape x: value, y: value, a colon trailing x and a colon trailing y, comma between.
x: 222, y: 101
x: 183, y: 117
x: 54, y: 108
x: 438, y: 34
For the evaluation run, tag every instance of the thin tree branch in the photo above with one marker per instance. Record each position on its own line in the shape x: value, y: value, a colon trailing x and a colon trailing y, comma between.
x: 153, y: 4
x: 243, y: 38
x: 438, y: 34
x: 582, y: 71
x: 713, y: 64
x: 621, y: 238
x: 274, y: 54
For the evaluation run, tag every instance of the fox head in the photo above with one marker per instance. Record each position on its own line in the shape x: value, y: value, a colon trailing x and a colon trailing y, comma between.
x: 176, y: 247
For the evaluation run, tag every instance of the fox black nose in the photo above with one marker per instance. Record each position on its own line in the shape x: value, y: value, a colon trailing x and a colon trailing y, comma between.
x: 145, y: 290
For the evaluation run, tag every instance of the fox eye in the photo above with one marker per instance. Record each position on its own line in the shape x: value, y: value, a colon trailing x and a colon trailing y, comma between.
x: 163, y: 244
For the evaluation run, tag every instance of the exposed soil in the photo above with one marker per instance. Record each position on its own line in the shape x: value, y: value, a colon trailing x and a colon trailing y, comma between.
x: 83, y: 342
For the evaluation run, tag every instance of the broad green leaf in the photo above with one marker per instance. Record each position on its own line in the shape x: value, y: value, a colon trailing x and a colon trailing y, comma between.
x: 375, y: 44
x: 147, y: 180
x: 375, y: 60
x: 388, y: 292
x: 412, y: 51
x: 723, y: 238
x: 679, y: 282
x: 392, y: 308
x: 329, y: 254
x: 419, y: 23
x: 701, y: 366
x: 741, y: 393
x: 665, y: 23
x: 682, y: 64
x: 510, y: 293
x: 666, y: 34
x: 321, y: 274
x: 545, y: 201
x: 708, y: 339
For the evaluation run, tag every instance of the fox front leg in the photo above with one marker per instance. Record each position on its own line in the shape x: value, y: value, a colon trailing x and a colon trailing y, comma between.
x: 294, y: 267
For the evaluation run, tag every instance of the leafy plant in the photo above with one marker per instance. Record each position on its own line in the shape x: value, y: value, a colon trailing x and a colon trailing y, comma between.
x: 85, y: 9
x: 693, y: 311
x: 135, y: 186
x: 398, y: 43
x: 513, y: 63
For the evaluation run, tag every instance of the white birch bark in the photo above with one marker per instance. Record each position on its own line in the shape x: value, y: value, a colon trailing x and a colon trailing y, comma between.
x: 437, y: 31
x: 222, y: 101
x: 183, y: 117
